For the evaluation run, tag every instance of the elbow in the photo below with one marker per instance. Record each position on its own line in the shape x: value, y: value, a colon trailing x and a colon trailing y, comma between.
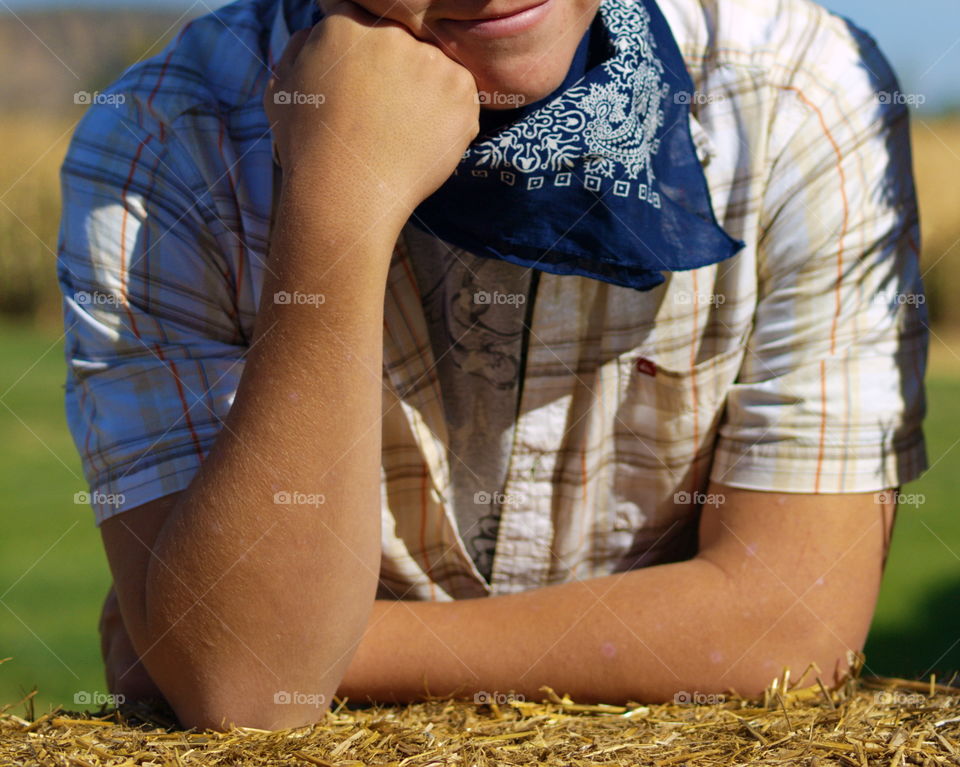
x: 221, y: 702
x: 250, y: 660
x: 824, y: 644
x: 765, y: 632
x: 220, y: 710
x: 833, y: 656
x: 213, y: 686
x: 806, y: 652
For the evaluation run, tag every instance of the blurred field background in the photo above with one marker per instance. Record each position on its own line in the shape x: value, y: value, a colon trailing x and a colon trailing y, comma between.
x: 53, y: 573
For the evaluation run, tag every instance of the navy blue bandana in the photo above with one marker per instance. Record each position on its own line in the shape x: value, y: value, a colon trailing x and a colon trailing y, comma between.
x: 601, y: 178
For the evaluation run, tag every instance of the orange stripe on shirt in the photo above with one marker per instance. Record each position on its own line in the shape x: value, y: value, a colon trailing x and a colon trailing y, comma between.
x: 126, y: 302
x: 846, y: 211
x: 163, y: 72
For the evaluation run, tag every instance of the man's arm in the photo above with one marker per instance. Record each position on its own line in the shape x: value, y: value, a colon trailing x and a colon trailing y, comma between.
x: 212, y: 583
x: 780, y: 580
x: 234, y: 590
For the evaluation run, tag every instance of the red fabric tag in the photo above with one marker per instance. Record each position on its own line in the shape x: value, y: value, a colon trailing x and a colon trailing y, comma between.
x: 647, y: 367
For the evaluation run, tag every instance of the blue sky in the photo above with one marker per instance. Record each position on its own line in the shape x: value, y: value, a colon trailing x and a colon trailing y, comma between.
x: 920, y: 37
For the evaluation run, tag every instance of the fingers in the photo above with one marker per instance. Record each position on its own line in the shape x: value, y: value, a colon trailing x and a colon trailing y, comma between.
x: 283, y: 74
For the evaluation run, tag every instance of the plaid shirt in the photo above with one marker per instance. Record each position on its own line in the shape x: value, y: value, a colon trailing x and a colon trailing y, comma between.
x: 796, y: 366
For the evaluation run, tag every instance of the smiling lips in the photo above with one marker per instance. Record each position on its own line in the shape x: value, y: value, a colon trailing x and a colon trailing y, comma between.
x: 502, y: 25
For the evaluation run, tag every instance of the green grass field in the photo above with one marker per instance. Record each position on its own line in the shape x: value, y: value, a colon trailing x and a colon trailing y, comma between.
x: 53, y: 574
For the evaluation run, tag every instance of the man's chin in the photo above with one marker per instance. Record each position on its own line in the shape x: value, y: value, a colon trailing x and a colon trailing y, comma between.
x: 505, y: 90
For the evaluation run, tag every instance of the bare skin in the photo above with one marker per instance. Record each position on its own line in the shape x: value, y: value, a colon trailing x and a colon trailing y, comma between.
x: 531, y: 64
x: 214, y: 633
x: 780, y: 581
x: 223, y: 598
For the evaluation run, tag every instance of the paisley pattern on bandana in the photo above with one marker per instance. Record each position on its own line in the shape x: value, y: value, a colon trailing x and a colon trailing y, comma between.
x: 609, y: 125
x: 600, y: 179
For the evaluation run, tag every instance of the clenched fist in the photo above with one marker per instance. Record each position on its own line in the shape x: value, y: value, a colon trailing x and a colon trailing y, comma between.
x: 365, y: 109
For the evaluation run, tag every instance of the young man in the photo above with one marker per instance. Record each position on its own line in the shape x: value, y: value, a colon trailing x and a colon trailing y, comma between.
x: 383, y: 394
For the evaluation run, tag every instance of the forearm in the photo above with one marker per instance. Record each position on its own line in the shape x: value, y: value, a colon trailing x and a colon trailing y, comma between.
x: 643, y: 635
x: 242, y: 587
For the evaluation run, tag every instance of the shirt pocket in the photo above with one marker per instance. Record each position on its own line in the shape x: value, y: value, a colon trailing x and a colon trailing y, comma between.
x: 668, y: 414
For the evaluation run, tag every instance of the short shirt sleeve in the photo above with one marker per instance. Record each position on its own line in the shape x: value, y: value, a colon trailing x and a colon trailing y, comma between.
x: 153, y: 348
x: 830, y: 395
